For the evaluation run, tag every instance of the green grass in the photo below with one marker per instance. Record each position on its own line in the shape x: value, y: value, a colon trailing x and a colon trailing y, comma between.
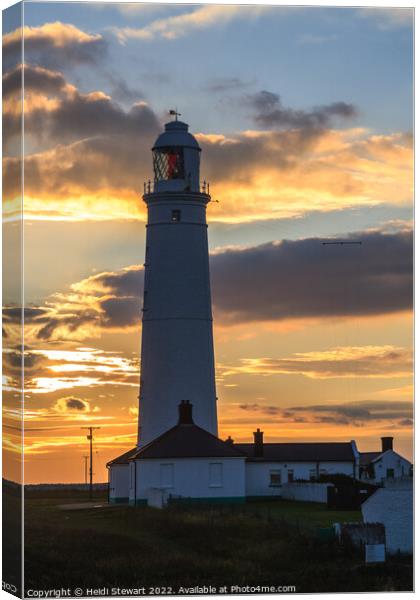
x: 262, y: 543
x: 307, y: 515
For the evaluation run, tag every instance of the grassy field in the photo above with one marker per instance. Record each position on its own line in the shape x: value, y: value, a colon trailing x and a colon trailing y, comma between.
x: 264, y: 543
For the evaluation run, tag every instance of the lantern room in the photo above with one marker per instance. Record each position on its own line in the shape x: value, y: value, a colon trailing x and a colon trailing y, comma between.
x: 176, y: 160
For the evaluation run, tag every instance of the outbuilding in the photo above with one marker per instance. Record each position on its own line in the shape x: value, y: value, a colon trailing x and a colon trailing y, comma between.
x: 378, y: 467
x: 392, y: 505
x: 118, y: 476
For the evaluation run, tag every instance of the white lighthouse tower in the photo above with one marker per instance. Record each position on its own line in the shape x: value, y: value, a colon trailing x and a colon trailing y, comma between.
x: 177, y: 357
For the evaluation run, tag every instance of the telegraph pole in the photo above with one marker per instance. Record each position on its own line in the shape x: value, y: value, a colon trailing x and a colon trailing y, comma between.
x: 90, y: 438
x: 85, y: 458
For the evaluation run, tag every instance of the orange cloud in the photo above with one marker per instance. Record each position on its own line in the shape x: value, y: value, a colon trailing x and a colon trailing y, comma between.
x: 344, y: 361
x: 97, y: 179
x: 98, y: 168
x: 177, y: 26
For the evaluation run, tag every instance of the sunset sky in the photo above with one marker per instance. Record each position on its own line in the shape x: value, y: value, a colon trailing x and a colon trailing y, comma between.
x: 304, y: 117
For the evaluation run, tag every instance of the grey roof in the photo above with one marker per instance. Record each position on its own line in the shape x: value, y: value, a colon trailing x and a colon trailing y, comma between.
x: 176, y: 134
x: 301, y: 452
x: 187, y: 441
x: 123, y: 458
x: 365, y: 458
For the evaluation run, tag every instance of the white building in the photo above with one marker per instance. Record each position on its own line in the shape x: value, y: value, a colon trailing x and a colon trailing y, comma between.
x: 377, y: 467
x: 118, y: 478
x: 270, y: 466
x: 392, y: 505
x: 187, y: 463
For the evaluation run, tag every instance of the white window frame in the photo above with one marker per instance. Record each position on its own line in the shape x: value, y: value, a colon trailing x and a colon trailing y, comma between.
x: 216, y: 482
x: 162, y: 468
x: 275, y: 472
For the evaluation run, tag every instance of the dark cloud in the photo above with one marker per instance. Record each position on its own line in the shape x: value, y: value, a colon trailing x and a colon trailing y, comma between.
x: 75, y: 404
x: 118, y: 305
x: 352, y: 413
x: 54, y: 44
x: 118, y: 162
x: 90, y: 115
x: 271, y: 282
x: 13, y: 359
x: 71, y: 404
x: 13, y: 314
x: 357, y: 413
x: 33, y: 363
x: 124, y: 161
x: 270, y: 112
x: 77, y: 116
x: 121, y: 312
x: 304, y: 278
x: 72, y: 322
x: 237, y: 159
x: 37, y: 79
x: 124, y: 283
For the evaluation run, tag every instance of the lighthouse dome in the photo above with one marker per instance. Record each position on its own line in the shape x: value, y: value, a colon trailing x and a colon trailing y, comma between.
x: 176, y: 134
x: 176, y: 160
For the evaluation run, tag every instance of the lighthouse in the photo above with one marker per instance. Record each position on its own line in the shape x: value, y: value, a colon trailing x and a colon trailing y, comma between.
x: 177, y: 356
x: 178, y: 455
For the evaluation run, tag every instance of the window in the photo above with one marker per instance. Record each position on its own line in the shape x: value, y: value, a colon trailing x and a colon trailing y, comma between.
x: 275, y: 478
x: 215, y: 475
x: 167, y: 475
x: 312, y: 475
x: 290, y: 475
x: 168, y: 163
x: 390, y: 473
x: 176, y: 216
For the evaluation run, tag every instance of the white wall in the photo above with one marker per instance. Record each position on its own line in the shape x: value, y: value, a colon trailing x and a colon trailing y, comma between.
x: 335, y: 468
x: 391, y: 460
x: 306, y: 492
x: 177, y: 331
x: 258, y: 474
x: 118, y: 483
x: 191, y: 478
x: 393, y: 507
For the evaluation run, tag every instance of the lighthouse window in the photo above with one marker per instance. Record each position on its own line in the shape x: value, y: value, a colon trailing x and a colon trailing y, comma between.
x: 176, y: 216
x: 168, y: 163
